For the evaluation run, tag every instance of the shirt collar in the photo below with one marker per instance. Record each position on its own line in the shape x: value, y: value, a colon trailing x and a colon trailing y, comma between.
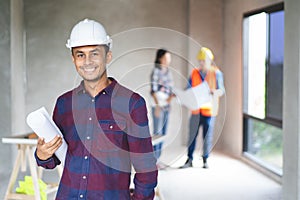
x: 108, y: 90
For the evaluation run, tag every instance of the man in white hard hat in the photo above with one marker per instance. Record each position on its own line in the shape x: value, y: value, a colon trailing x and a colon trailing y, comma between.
x: 105, y: 126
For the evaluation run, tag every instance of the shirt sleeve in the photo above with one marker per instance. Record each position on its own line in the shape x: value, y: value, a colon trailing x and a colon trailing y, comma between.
x: 171, y: 80
x: 154, y: 80
x: 220, y: 81
x: 141, y: 152
x: 50, y: 163
x: 189, y: 84
x: 53, y: 161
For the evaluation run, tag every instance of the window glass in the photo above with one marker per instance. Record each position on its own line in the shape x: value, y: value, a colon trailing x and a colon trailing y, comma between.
x: 275, y: 68
x: 265, y: 142
x: 255, y: 64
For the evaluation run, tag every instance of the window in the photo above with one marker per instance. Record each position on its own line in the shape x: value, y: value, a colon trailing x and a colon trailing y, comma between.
x: 263, y: 46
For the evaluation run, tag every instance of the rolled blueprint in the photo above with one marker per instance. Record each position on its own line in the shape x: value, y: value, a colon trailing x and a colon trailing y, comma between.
x: 195, y: 97
x: 42, y: 124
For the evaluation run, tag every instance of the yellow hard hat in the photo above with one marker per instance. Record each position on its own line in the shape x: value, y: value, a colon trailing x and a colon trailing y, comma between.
x: 204, y: 52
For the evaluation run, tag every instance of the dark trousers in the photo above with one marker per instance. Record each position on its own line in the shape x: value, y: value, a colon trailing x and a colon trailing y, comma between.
x: 207, y: 124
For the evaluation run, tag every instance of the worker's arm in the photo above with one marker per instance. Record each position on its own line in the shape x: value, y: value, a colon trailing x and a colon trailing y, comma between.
x: 44, y: 153
x: 171, y: 84
x: 141, y: 151
x: 154, y: 98
x: 189, y: 84
x: 220, y: 84
x: 154, y: 89
x: 154, y: 81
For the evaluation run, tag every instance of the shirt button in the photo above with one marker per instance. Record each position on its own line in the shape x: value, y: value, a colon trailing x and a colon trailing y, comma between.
x: 90, y: 118
x: 111, y: 127
x: 81, y: 196
x: 85, y: 157
x: 84, y: 177
x: 93, y: 100
x: 104, y: 92
x: 88, y: 137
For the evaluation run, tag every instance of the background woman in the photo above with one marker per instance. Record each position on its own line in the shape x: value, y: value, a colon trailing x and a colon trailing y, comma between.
x: 161, y: 91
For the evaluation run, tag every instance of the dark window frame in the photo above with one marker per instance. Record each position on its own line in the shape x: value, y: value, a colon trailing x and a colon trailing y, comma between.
x: 268, y: 9
x: 268, y: 120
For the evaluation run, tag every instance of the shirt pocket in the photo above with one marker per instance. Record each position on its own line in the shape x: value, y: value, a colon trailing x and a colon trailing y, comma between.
x: 112, y: 146
x: 112, y: 136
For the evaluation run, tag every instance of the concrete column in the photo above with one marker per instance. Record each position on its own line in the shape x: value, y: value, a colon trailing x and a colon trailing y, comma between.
x: 291, y: 102
x: 5, y: 94
x: 17, y: 67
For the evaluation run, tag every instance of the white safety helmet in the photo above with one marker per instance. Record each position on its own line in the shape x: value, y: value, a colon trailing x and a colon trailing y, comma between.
x: 88, y: 32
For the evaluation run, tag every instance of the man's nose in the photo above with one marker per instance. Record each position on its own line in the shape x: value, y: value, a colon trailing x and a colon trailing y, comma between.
x: 87, y: 60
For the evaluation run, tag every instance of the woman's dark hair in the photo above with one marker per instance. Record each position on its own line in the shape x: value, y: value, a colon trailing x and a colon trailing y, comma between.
x: 159, y: 54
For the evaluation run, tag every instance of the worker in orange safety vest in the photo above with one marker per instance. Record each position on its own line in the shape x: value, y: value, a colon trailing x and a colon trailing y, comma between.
x: 205, y: 115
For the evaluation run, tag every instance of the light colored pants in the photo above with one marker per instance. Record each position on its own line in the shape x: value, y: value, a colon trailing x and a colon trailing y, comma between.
x: 160, y: 128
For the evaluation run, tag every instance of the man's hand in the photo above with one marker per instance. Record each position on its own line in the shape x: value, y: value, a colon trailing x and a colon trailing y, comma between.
x: 170, y: 98
x: 45, y: 150
x: 217, y: 93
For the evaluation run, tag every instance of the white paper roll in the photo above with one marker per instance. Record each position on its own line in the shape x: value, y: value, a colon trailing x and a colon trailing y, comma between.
x: 42, y: 124
x: 195, y: 97
x: 162, y: 98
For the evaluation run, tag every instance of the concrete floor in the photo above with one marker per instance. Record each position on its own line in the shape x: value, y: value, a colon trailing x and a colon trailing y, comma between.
x: 227, y: 178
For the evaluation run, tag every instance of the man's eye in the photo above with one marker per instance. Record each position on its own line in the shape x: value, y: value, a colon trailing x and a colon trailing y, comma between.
x: 79, y: 55
x: 95, y: 54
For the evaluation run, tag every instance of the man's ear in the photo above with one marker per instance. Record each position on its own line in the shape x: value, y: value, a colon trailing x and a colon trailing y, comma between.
x: 108, y: 57
x: 72, y: 54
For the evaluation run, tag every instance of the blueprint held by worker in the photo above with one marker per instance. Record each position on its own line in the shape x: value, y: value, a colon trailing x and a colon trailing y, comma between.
x: 42, y: 124
x: 195, y: 97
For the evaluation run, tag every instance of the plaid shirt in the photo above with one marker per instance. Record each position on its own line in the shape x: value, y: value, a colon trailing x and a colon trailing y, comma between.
x: 106, y: 135
x: 161, y: 80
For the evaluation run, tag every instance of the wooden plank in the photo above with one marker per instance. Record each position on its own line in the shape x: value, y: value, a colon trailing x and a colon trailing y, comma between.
x: 33, y: 171
x: 28, y: 138
x: 20, y: 196
x: 14, y: 173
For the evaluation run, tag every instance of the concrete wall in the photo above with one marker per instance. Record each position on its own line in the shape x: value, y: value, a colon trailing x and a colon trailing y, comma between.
x: 5, y: 91
x: 206, y: 26
x: 232, y: 136
x: 18, y: 78
x: 291, y: 102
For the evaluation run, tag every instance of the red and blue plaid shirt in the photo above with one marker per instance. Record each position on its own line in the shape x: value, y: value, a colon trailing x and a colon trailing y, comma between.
x: 106, y: 136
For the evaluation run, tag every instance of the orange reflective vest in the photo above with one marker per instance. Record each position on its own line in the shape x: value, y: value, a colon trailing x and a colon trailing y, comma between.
x: 209, y: 109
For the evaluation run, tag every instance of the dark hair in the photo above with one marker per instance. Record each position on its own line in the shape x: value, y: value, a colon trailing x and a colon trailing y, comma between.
x: 106, y: 49
x: 159, y: 54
